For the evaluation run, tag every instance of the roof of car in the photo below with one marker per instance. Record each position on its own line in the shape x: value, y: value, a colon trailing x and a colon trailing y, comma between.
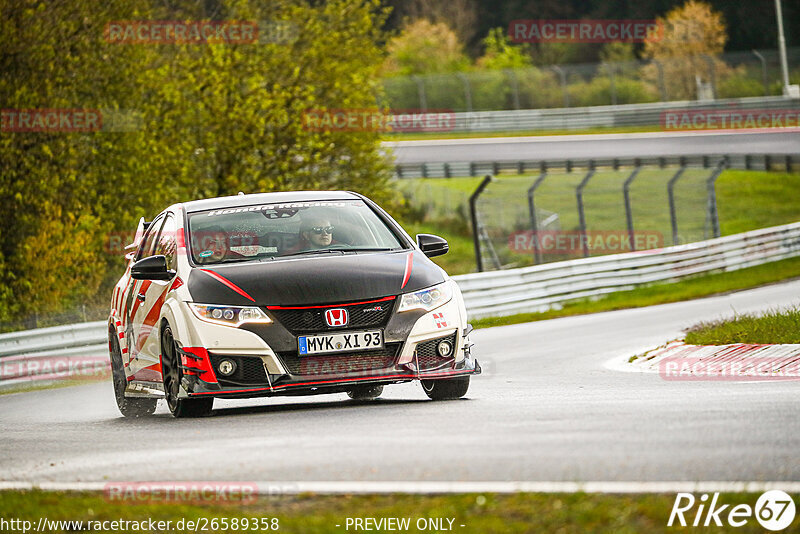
x: 266, y: 198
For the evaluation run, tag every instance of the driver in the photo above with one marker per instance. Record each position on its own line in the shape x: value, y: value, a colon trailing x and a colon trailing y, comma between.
x: 316, y: 232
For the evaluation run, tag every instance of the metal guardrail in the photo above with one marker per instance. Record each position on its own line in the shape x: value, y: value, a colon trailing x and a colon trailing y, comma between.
x: 54, y: 353
x: 604, y: 116
x: 757, y: 162
x: 53, y: 338
x: 542, y: 287
x: 48, y: 353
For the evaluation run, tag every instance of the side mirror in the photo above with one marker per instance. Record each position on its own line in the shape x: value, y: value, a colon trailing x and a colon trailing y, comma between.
x: 151, y: 268
x: 432, y: 245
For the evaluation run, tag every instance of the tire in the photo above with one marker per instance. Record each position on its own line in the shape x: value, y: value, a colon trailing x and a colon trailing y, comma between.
x: 365, y: 392
x: 128, y: 406
x: 446, y: 389
x: 172, y: 374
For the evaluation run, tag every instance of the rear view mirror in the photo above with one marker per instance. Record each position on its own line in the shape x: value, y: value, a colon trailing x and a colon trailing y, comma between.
x: 432, y: 245
x: 151, y: 268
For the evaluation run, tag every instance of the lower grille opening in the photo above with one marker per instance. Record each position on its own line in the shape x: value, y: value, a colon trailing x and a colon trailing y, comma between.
x: 428, y: 354
x: 249, y: 371
x: 364, y: 362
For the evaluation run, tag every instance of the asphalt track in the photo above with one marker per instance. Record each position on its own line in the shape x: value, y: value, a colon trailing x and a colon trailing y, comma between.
x: 548, y: 408
x: 652, y: 144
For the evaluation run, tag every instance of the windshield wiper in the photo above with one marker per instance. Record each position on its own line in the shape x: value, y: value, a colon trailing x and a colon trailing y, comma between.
x: 316, y: 251
x: 364, y: 249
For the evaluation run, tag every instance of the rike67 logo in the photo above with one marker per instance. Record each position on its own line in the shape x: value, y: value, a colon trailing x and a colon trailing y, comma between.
x: 774, y: 510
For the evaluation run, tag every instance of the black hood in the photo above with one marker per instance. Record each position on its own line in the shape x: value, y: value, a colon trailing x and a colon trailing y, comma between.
x: 313, y: 280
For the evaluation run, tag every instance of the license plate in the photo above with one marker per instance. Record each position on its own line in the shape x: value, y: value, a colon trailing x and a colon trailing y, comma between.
x: 343, y: 342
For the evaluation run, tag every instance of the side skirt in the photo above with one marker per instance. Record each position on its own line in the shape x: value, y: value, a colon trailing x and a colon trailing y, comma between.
x: 150, y: 390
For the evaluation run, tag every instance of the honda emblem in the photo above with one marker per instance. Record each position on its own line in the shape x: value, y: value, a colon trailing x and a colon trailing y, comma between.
x: 336, y: 317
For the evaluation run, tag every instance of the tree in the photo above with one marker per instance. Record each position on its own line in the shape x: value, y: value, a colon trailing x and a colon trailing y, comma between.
x: 213, y: 119
x: 460, y: 15
x: 501, y: 54
x: 423, y: 47
x: 694, y: 35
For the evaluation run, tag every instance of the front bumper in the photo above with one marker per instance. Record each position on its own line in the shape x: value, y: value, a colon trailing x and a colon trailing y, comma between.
x: 200, y: 378
x: 267, y: 361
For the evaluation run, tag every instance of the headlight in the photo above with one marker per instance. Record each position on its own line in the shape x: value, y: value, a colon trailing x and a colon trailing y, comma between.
x: 427, y: 299
x: 229, y: 315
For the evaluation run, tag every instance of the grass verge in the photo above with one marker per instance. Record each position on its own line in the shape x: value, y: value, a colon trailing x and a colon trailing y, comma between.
x: 779, y: 326
x: 489, y: 513
x: 662, y: 293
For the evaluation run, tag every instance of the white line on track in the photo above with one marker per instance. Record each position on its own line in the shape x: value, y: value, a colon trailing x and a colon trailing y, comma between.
x: 291, y: 488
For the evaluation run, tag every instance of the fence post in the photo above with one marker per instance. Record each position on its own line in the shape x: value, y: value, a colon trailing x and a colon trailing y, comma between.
x: 473, y: 199
x: 712, y: 73
x: 515, y: 85
x: 628, y: 209
x: 673, y: 216
x: 423, y: 101
x: 662, y: 88
x: 563, y: 78
x: 581, y: 214
x: 537, y: 253
x: 764, y: 78
x: 611, y: 68
x: 713, y: 215
x: 467, y: 90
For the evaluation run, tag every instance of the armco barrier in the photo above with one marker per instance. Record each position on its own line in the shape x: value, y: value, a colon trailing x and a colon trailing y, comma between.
x: 542, y: 287
x: 624, y: 115
x: 57, y: 352
x: 53, y: 338
x: 488, y: 294
x: 756, y: 162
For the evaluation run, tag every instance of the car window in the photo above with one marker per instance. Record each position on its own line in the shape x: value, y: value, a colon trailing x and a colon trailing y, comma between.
x: 290, y: 229
x: 166, y: 240
x: 146, y: 248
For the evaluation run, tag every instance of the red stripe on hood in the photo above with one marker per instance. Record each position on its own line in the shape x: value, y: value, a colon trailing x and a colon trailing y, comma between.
x: 409, y: 264
x: 229, y: 284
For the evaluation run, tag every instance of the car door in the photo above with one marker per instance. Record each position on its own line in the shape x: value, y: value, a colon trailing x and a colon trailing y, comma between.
x: 148, y: 315
x: 138, y: 305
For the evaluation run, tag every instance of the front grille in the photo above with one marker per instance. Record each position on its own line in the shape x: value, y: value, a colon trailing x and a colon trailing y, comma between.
x: 249, y: 371
x: 368, y: 361
x: 374, y: 315
x: 428, y: 355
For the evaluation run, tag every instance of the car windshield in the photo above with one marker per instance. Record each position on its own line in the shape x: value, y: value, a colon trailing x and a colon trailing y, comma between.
x: 272, y: 231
